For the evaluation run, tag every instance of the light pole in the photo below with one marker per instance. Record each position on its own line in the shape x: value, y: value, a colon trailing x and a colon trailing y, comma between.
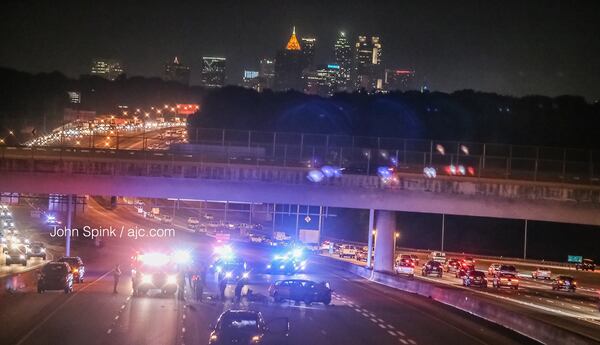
x: 396, y: 236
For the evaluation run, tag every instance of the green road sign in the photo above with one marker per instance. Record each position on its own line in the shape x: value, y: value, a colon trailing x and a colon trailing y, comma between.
x: 574, y: 258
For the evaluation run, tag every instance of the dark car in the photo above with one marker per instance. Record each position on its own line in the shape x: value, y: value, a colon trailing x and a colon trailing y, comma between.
x: 432, y: 268
x: 300, y: 290
x: 567, y: 283
x: 245, y: 327
x: 464, y: 269
x: 586, y: 265
x: 15, y: 254
x: 77, y: 267
x: 507, y: 269
x: 36, y: 250
x: 233, y: 272
x: 283, y: 266
x: 55, y: 276
x: 475, y: 278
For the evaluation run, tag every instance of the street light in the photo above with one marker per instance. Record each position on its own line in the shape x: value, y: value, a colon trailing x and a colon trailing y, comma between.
x: 396, y: 237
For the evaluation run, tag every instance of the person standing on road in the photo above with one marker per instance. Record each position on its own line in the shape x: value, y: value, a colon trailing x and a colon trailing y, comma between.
x: 222, y: 287
x: 116, y: 277
x: 238, y: 289
x: 181, y: 285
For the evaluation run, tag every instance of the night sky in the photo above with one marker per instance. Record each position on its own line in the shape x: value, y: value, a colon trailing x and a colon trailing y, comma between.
x: 511, y: 47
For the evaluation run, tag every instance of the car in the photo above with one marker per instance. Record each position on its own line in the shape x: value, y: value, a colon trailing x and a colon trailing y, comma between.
x: 245, y: 327
x: 507, y: 269
x: 361, y: 255
x: 233, y: 272
x: 257, y: 238
x: 464, y: 269
x: 438, y: 256
x: 475, y: 278
x: 452, y: 265
x: 284, y: 266
x: 404, y: 257
x: 167, y: 219
x: 77, y: 267
x: 494, y: 269
x: 432, y: 268
x: 15, y: 254
x: 468, y: 260
x: 36, y: 250
x: 586, y: 265
x: 208, y: 216
x: 306, y: 291
x: 55, y: 276
x: 347, y: 251
x: 541, y: 273
x: 503, y: 279
x: 404, y: 267
x: 564, y: 282
x: 415, y: 259
x: 193, y: 223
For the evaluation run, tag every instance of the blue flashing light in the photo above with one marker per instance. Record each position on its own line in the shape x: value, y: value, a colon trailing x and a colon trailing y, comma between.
x: 333, y: 66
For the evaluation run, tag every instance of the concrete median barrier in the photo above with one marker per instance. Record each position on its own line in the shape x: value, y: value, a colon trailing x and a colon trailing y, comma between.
x: 523, y: 323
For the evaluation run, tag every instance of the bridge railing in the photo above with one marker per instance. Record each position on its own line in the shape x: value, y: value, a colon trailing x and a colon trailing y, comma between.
x: 358, y: 155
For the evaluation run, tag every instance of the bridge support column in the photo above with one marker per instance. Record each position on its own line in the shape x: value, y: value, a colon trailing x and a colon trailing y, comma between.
x: 384, y: 241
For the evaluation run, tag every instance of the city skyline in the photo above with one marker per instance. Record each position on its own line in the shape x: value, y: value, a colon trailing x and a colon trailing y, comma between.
x: 508, y: 55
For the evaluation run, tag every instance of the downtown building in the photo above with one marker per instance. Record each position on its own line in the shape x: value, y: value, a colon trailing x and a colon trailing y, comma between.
x: 324, y: 80
x: 266, y: 74
x: 343, y: 58
x: 178, y: 72
x: 289, y: 64
x: 109, y: 69
x: 368, y: 70
x: 213, y: 71
x: 399, y: 80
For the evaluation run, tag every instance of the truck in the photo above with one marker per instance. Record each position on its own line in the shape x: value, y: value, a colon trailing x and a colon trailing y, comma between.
x: 438, y: 257
x: 310, y: 238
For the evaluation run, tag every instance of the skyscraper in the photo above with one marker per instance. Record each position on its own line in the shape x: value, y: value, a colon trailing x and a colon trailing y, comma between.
x: 251, y: 80
x: 107, y: 68
x: 308, y: 48
x: 176, y: 71
x: 343, y: 58
x: 323, y: 80
x: 368, y: 71
x: 213, y: 71
x: 266, y: 73
x: 289, y: 64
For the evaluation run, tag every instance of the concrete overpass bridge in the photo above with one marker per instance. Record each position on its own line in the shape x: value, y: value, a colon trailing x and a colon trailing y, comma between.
x: 274, y: 174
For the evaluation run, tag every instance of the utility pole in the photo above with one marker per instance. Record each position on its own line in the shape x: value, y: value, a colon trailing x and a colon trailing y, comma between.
x: 443, y: 230
x: 69, y: 223
x: 525, y: 242
x: 370, y: 237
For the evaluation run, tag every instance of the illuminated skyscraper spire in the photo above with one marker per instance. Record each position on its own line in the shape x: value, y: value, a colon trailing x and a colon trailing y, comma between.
x: 293, y: 43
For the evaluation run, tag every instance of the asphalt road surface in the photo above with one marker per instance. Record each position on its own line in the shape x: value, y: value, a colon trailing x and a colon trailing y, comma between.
x: 361, y: 312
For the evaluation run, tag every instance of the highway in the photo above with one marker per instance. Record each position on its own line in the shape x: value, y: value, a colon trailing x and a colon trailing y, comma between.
x: 362, y: 312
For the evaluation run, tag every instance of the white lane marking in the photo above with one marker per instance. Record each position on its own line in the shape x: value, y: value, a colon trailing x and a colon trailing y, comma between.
x: 403, y: 341
x: 374, y: 320
x: 34, y: 329
x: 365, y: 315
x: 380, y: 320
x: 357, y: 310
x: 392, y: 333
x: 183, y: 329
x: 117, y: 317
x: 412, y: 341
x: 390, y: 326
x: 576, y: 307
x: 381, y: 325
x: 400, y: 333
x: 109, y: 331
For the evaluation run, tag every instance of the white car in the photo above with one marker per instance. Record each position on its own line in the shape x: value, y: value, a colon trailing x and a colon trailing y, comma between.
x: 541, y: 273
x: 193, y: 222
x: 167, y: 219
x: 494, y: 269
x: 405, y: 268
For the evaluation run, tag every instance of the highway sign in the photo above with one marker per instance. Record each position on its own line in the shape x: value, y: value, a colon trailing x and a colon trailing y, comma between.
x: 575, y: 258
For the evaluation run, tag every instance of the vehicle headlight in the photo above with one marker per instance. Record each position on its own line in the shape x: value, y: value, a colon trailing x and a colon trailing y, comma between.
x: 172, y: 279
x: 218, y: 269
x: 43, y: 250
x: 246, y: 275
x: 146, y: 279
x: 22, y: 257
x: 7, y: 256
x: 256, y: 338
x: 228, y: 275
x: 268, y: 266
x: 213, y: 337
x: 27, y: 241
x: 281, y: 267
